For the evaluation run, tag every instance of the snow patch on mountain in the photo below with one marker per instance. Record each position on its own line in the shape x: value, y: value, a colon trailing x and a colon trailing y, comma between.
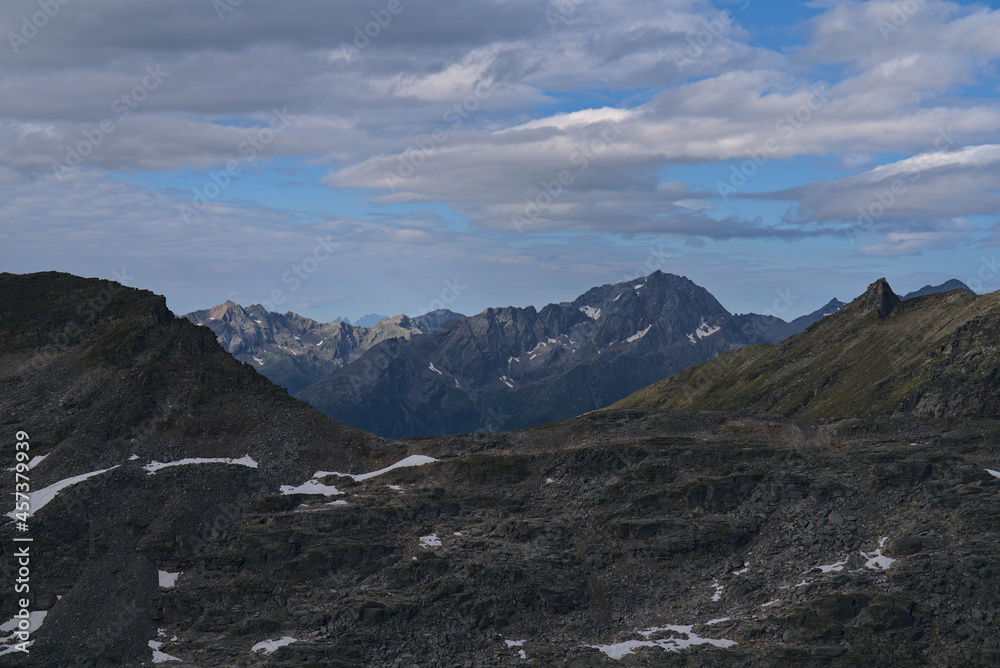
x: 674, y: 644
x: 245, y: 460
x: 429, y: 541
x: 412, y: 460
x: 876, y: 559
x: 272, y: 646
x: 638, y: 335
x: 167, y: 580
x: 37, y: 500
x: 591, y: 312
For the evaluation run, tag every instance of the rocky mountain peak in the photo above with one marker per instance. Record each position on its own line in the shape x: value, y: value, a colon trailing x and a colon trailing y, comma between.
x: 879, y: 298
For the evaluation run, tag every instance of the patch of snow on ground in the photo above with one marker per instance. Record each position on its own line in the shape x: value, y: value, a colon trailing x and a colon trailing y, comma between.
x: 40, y: 498
x: 245, y: 460
x: 271, y: 646
x: 313, y: 486
x: 35, y: 620
x: 995, y: 474
x: 638, y: 335
x: 168, y: 580
x: 638, y: 287
x: 36, y: 460
x: 876, y: 559
x: 549, y: 480
x: 430, y: 540
x: 717, y: 621
x: 398, y: 488
x: 591, y: 312
x: 521, y: 654
x: 704, y: 331
x: 258, y: 360
x: 338, y: 502
x: 746, y: 567
x: 776, y: 601
x: 506, y: 382
x: 431, y: 367
x: 691, y: 339
x: 133, y: 458
x: 833, y: 568
x: 514, y: 643
x: 412, y: 460
x: 617, y: 298
x: 718, y: 592
x: 321, y: 343
x: 158, y: 656
x: 674, y: 644
x: 458, y: 533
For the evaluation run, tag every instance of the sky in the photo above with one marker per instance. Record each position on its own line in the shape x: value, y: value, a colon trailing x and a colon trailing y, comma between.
x: 397, y: 156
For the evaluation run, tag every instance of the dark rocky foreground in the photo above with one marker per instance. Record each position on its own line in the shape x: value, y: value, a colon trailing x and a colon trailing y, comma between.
x: 566, y: 536
x: 647, y: 520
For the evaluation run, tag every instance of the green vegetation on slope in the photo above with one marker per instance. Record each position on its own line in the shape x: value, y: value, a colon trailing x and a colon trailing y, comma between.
x: 929, y: 356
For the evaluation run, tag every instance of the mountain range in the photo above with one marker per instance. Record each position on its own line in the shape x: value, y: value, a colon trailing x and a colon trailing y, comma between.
x: 510, y: 368
x: 295, y: 352
x: 504, y: 368
x: 186, y: 511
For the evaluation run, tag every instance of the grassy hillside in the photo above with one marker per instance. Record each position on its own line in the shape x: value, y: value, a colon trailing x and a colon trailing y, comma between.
x: 929, y: 356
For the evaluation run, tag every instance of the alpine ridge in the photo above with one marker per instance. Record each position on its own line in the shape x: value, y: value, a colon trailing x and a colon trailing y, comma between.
x: 927, y: 356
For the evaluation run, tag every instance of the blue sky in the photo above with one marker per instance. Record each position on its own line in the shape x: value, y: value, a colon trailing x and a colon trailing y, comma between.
x: 487, y: 153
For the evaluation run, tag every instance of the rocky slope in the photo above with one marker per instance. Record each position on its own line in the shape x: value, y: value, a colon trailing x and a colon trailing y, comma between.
x: 927, y: 356
x: 295, y: 352
x: 513, y: 367
x: 620, y: 538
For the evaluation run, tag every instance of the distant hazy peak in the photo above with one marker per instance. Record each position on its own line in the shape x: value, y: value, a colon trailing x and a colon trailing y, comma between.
x: 947, y: 286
